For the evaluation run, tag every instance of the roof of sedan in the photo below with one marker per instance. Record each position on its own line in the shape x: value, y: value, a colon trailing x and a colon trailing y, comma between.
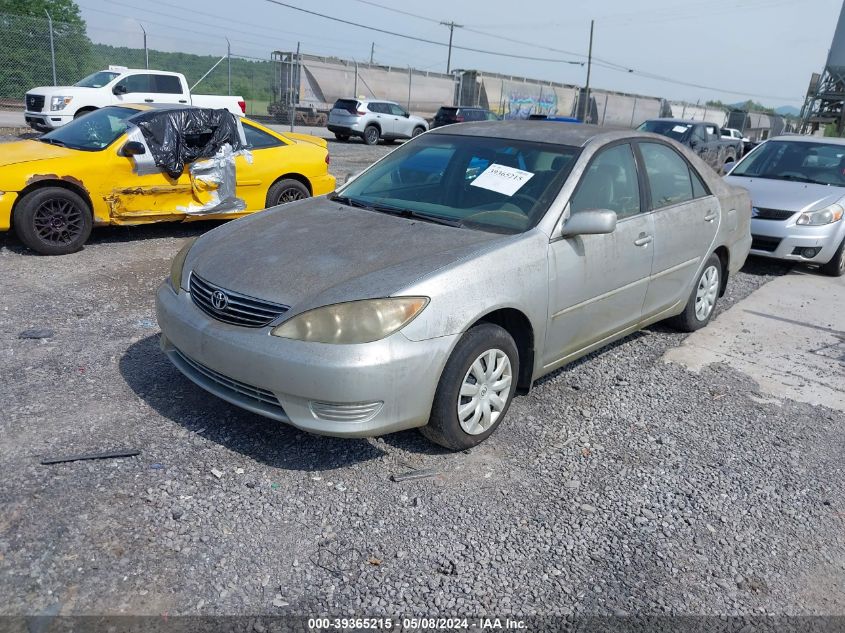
x: 805, y: 138
x: 556, y: 132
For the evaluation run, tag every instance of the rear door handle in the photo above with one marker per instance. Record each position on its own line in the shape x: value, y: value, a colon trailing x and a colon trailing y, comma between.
x: 644, y: 240
x: 183, y: 101
x: 711, y: 215
x: 148, y: 100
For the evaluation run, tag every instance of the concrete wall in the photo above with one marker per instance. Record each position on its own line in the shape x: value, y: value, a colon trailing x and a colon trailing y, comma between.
x: 681, y: 110
x: 624, y: 110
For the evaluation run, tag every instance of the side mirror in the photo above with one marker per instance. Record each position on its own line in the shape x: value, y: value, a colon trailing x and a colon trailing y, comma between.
x: 407, y: 115
x: 119, y: 89
x: 729, y: 165
x: 590, y: 222
x: 350, y: 176
x: 133, y: 148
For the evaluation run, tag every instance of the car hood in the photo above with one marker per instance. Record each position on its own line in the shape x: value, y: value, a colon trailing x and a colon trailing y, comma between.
x: 317, y: 252
x: 28, y: 151
x: 767, y: 193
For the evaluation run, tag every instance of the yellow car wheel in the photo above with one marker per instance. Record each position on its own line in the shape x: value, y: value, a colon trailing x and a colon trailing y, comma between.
x: 287, y: 190
x: 53, y: 221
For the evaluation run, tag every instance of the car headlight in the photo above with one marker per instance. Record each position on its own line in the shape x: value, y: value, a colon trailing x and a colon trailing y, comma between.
x: 352, y: 322
x: 178, y: 264
x: 59, y: 103
x: 829, y: 215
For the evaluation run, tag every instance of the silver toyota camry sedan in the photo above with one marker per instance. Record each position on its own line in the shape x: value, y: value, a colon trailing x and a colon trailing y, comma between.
x: 450, y: 275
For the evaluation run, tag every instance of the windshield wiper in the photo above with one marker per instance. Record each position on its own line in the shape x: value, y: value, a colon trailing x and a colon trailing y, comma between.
x: 351, y: 202
x: 418, y: 215
x: 53, y: 141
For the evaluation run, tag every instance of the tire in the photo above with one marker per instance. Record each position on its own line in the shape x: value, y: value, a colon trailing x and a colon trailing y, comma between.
x: 341, y: 137
x: 371, y: 135
x: 836, y: 266
x: 702, y: 300
x: 468, y: 358
x: 82, y: 112
x: 53, y: 221
x: 284, y: 191
x: 417, y: 131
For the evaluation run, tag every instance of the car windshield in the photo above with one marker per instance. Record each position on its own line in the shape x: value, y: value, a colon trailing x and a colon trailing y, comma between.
x: 97, y: 80
x: 672, y: 129
x: 800, y: 161
x: 484, y: 183
x: 94, y: 131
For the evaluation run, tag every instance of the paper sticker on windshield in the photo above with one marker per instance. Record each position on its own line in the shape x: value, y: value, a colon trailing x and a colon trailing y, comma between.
x: 680, y: 129
x: 502, y: 179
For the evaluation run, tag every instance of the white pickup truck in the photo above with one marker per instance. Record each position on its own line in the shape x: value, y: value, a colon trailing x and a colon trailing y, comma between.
x: 50, y: 107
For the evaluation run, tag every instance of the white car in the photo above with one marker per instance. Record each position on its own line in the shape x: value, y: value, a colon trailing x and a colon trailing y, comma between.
x: 373, y: 121
x: 49, y: 107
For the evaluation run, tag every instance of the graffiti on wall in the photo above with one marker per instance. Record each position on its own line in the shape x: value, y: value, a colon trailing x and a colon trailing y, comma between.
x: 520, y: 105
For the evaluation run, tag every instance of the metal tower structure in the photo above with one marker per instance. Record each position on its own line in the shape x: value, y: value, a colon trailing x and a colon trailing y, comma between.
x: 825, y: 101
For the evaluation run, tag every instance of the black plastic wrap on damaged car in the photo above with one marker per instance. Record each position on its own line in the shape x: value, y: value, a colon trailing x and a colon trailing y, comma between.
x: 178, y: 137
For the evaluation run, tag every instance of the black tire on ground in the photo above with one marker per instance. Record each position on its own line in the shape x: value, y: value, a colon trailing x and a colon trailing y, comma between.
x: 371, y: 135
x: 287, y: 190
x: 53, y: 221
x: 82, y: 112
x: 444, y: 427
x: 341, y: 137
x: 417, y: 131
x: 689, y: 320
x: 836, y: 266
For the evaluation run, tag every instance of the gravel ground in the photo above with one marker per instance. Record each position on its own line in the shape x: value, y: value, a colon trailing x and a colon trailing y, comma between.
x: 620, y: 484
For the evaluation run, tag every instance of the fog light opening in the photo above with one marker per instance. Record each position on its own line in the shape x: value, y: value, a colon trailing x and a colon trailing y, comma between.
x: 345, y: 411
x: 809, y: 253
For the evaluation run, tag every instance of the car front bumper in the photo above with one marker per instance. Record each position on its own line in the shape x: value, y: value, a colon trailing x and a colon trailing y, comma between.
x: 340, y: 390
x: 46, y: 120
x: 7, y: 201
x: 785, y: 240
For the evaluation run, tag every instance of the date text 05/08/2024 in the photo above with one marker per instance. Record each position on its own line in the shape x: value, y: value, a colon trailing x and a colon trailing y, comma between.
x: 444, y: 624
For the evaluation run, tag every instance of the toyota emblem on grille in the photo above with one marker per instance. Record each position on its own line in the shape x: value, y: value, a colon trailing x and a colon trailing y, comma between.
x: 219, y: 300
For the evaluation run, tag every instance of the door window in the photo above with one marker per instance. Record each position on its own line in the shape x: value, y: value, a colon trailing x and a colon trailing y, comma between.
x: 166, y: 84
x: 669, y: 178
x: 135, y: 83
x: 396, y: 110
x: 258, y: 139
x: 610, y: 182
x: 380, y: 108
x: 698, y: 134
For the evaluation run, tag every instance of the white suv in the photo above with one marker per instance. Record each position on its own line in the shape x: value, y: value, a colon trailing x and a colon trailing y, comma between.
x: 373, y: 121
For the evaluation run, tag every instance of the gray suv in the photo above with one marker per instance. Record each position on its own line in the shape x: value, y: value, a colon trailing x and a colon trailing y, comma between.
x: 373, y: 121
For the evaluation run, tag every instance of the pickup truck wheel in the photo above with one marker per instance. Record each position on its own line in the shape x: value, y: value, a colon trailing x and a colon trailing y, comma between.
x: 836, y: 266
x: 702, y: 300
x: 53, y: 221
x: 371, y: 135
x: 287, y: 190
x: 82, y: 112
x: 475, y: 389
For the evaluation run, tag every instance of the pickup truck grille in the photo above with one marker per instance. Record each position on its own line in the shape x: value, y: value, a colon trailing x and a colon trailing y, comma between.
x: 232, y: 307
x: 771, y: 214
x: 34, y: 103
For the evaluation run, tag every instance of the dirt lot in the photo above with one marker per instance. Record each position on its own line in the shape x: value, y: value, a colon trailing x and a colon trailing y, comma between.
x: 621, y: 484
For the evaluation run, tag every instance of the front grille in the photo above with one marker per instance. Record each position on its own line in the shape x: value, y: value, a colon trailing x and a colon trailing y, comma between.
x: 238, y: 309
x: 771, y: 214
x: 234, y: 387
x: 762, y: 243
x: 34, y: 103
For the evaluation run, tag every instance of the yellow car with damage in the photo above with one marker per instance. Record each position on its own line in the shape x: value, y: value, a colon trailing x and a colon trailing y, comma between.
x: 98, y: 170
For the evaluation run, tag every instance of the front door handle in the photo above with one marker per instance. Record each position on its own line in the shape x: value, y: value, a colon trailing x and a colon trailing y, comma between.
x: 644, y: 240
x: 711, y: 215
x: 148, y: 100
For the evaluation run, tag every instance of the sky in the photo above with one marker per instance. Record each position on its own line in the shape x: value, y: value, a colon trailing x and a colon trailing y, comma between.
x: 728, y: 50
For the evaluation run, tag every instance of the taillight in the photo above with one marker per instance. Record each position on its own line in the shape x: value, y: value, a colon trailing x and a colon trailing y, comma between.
x: 327, y: 158
x: 459, y: 119
x: 242, y: 105
x: 359, y: 113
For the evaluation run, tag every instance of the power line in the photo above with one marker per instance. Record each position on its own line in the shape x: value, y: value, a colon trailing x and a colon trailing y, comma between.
x: 423, y: 40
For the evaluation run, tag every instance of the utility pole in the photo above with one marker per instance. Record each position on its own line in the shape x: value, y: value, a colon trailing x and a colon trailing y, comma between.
x: 146, y: 52
x: 452, y: 27
x: 52, y: 48
x: 294, y: 93
x: 587, y: 112
x: 229, y: 64
x: 372, y: 52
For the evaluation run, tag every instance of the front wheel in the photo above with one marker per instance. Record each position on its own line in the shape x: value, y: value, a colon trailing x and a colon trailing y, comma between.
x: 702, y: 301
x: 836, y: 266
x: 53, y: 221
x: 475, y: 389
x: 287, y: 190
x: 417, y: 131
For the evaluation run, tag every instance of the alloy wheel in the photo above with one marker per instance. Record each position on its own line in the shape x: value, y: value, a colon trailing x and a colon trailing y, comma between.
x: 58, y: 221
x: 708, y: 291
x: 484, y: 391
x: 289, y: 195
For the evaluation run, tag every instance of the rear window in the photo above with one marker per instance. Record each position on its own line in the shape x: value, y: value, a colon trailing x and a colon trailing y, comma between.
x: 444, y: 112
x: 166, y: 84
x: 474, y: 115
x: 350, y: 105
